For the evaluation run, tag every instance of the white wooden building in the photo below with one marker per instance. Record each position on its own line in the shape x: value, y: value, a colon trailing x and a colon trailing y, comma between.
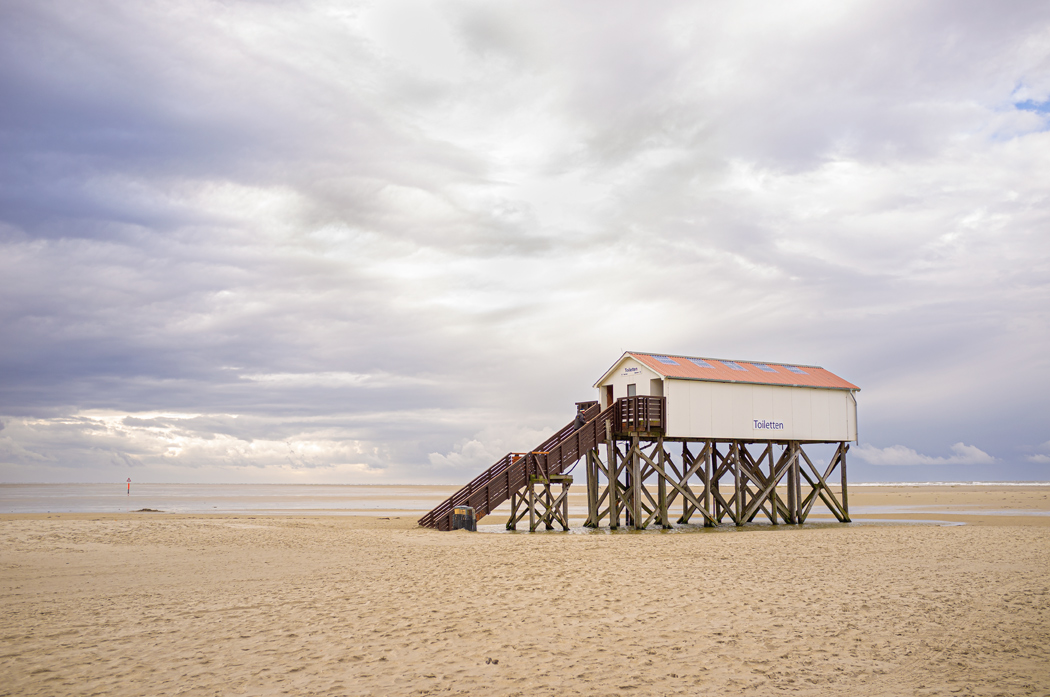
x: 714, y: 399
x: 719, y: 438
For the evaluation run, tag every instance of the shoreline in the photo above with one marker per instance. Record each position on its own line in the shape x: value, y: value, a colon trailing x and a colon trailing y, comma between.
x: 995, y: 505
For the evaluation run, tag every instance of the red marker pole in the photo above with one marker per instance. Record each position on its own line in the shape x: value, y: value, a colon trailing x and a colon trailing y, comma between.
x: 129, y: 486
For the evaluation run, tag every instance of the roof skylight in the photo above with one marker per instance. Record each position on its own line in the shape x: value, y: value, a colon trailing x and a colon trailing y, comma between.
x: 700, y: 363
x: 796, y: 370
x: 733, y: 366
x: 764, y: 368
x: 665, y: 360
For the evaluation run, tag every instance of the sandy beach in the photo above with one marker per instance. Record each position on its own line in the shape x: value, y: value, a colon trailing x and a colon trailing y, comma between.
x: 158, y: 603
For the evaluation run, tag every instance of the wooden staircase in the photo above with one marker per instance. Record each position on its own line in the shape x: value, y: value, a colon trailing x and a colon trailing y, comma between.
x: 550, y: 458
x: 495, y: 485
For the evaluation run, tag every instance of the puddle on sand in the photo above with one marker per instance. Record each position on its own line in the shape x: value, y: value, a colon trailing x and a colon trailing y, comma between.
x: 691, y: 529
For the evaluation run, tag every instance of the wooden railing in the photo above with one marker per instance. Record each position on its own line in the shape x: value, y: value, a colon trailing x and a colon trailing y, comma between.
x: 641, y: 414
x: 553, y: 456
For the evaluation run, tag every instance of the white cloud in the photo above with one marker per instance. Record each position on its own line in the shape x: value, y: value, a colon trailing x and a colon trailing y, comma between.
x: 485, y: 448
x: 901, y: 455
x: 376, y: 380
x: 152, y: 442
x: 1043, y: 457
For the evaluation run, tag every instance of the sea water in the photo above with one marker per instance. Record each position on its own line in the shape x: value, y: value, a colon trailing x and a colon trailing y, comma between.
x: 315, y: 499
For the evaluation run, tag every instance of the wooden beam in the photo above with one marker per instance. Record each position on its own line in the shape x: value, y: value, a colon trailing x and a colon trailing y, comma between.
x: 715, y: 482
x: 687, y: 458
x: 565, y: 504
x: 636, y: 485
x: 549, y: 503
x: 738, y: 494
x: 776, y: 474
x: 793, y: 485
x: 821, y: 487
x: 773, y: 490
x: 532, y: 506
x: 688, y: 495
x: 592, y: 489
x: 512, y: 521
x: 751, y: 472
x: 687, y: 507
x: 558, y: 512
x: 842, y: 478
x: 613, y: 474
x: 707, y: 480
x: 662, y: 486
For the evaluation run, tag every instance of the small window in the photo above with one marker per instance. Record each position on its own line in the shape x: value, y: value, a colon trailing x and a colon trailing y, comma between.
x: 665, y: 360
x: 656, y: 388
x: 632, y: 390
x: 733, y: 366
x: 700, y: 363
x: 764, y: 368
x: 797, y: 371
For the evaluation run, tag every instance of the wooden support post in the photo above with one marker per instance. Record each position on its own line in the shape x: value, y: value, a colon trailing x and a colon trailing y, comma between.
x: 798, y: 485
x: 661, y: 480
x: 719, y: 510
x: 565, y: 503
x: 636, y: 486
x: 588, y: 466
x: 687, y: 458
x: 596, y: 460
x: 707, y: 480
x: 625, y: 497
x: 842, y: 476
x: 592, y: 489
x: 512, y: 522
x: 548, y: 502
x: 772, y: 491
x: 738, y: 496
x: 614, y: 475
x: 745, y: 491
x: 532, y: 505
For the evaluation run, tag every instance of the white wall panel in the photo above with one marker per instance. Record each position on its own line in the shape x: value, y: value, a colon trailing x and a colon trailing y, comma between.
x: 781, y: 407
x: 700, y: 396
x: 679, y: 420
x: 819, y: 413
x: 706, y: 409
x: 700, y: 409
x: 851, y: 416
x: 721, y: 408
x: 801, y: 411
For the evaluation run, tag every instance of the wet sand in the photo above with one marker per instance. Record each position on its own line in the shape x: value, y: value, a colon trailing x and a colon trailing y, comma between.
x: 155, y: 603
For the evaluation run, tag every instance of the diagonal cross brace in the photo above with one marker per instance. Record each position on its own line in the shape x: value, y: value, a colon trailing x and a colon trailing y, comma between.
x: 686, y: 494
x: 779, y: 470
x: 821, y: 486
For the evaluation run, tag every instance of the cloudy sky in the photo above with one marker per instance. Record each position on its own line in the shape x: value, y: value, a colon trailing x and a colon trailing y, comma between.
x: 390, y: 241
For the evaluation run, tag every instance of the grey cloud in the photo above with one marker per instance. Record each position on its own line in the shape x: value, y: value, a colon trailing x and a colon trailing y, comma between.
x: 477, y: 208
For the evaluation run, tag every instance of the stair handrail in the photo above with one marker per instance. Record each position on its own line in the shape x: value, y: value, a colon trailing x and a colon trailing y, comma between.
x: 495, y: 485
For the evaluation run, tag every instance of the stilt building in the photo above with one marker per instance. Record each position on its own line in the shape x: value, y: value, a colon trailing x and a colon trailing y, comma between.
x: 714, y: 438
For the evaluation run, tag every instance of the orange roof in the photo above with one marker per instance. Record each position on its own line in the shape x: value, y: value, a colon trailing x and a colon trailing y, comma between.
x: 718, y: 370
